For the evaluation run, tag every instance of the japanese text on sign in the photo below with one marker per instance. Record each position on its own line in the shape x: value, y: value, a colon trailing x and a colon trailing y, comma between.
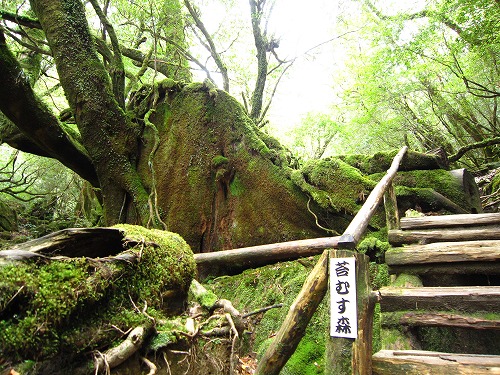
x: 343, y: 307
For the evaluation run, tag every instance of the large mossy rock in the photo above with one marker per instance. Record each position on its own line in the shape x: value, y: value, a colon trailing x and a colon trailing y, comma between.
x: 67, y: 306
x: 221, y: 183
x: 218, y: 183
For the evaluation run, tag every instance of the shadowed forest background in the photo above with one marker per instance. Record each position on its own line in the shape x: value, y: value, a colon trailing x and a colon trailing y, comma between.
x: 192, y: 117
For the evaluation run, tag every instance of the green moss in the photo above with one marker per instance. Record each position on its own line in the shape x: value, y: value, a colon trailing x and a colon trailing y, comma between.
x: 236, y: 187
x: 379, y: 275
x: 266, y: 286
x: 405, y: 280
x: 374, y: 248
x: 70, y: 305
x: 333, y: 183
x: 394, y: 339
x: 306, y: 360
x: 218, y: 161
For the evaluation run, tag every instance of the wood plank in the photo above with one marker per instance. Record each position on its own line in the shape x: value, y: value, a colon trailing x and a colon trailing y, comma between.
x: 438, y: 319
x: 470, y: 298
x: 449, y: 221
x: 413, y: 362
x: 445, y: 252
x: 401, y: 237
x: 458, y: 268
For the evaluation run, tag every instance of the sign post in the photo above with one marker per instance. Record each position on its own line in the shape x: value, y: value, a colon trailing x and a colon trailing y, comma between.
x: 343, y: 303
x: 349, y: 348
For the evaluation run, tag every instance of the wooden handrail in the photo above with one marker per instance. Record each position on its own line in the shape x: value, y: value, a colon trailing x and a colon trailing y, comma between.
x: 358, y: 225
x: 316, y: 285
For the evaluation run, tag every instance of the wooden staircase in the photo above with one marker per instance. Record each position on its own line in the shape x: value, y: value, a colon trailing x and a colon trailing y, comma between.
x: 459, y: 255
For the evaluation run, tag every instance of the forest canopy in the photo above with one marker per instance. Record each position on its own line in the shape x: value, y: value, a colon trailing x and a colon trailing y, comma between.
x: 95, y: 85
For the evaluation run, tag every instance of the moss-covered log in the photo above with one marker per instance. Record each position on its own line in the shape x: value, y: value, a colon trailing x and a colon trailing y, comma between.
x: 70, y: 306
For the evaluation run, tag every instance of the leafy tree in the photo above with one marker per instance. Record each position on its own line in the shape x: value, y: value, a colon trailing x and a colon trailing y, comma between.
x: 315, y: 134
x: 426, y: 77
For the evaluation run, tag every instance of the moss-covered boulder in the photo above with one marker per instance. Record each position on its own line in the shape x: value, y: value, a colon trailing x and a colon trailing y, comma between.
x: 68, y: 307
x: 219, y: 181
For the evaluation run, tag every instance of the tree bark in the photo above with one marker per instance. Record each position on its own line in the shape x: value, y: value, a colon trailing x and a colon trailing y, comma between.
x: 109, y: 137
x: 256, y: 13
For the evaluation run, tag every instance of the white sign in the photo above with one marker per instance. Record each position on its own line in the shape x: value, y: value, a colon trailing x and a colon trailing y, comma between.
x: 343, y: 306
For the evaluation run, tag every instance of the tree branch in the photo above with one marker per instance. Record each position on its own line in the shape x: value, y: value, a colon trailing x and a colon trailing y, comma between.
x: 118, y: 70
x: 20, y: 20
x: 211, y: 46
x: 36, y: 122
x: 487, y: 142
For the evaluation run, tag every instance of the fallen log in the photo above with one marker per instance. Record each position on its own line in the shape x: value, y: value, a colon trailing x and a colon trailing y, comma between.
x: 77, y: 242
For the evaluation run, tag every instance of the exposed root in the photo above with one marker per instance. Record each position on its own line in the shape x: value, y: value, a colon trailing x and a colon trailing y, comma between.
x: 151, y: 365
x: 317, y: 222
x: 120, y: 353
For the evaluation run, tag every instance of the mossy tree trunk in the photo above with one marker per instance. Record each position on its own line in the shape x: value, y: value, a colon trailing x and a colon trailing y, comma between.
x: 27, y: 124
x: 108, y: 135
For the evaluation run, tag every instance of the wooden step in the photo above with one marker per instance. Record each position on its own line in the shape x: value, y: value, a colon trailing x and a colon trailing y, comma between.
x: 416, y: 362
x: 463, y: 298
x: 400, y: 237
x: 438, y: 319
x: 464, y: 257
x: 459, y: 268
x: 444, y: 221
x: 445, y: 252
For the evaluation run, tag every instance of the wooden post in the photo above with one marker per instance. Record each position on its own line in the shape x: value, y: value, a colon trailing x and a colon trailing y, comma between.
x: 391, y: 208
x: 347, y: 356
x: 294, y: 326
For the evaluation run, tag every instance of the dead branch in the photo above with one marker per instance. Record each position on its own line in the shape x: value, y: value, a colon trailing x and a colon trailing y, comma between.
x: 119, y: 354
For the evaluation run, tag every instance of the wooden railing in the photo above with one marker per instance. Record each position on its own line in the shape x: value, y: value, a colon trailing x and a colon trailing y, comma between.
x: 348, y: 357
